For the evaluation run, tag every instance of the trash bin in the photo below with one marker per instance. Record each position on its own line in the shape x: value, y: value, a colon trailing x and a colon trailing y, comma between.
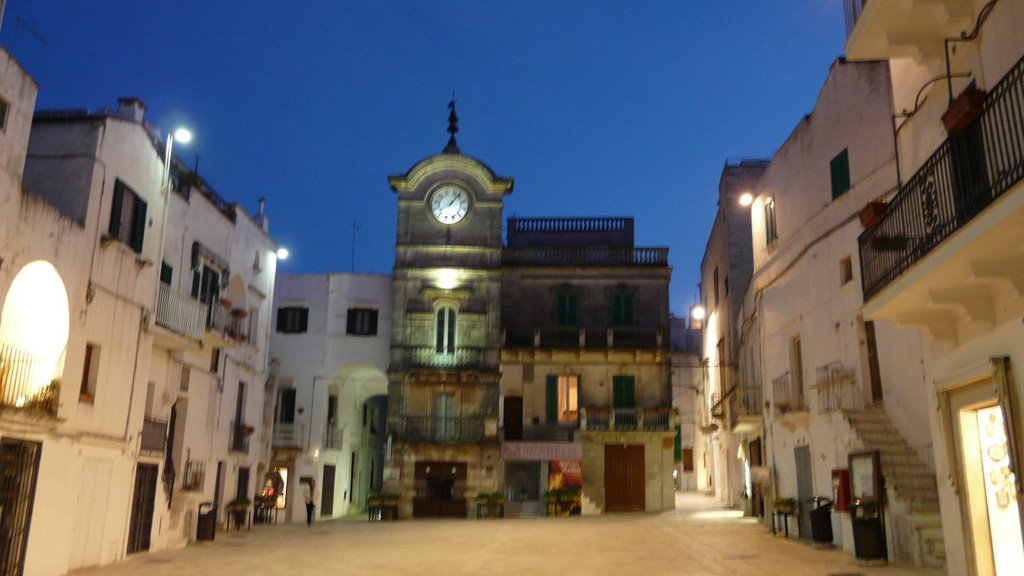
x: 868, y: 531
x: 821, y: 520
x: 206, y: 525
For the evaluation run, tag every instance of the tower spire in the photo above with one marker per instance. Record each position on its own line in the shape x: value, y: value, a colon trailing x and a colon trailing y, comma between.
x: 453, y: 127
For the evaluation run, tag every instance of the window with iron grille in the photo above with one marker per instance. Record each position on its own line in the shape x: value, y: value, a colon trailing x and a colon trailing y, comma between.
x: 292, y: 319
x: 127, y: 217
x: 361, y: 322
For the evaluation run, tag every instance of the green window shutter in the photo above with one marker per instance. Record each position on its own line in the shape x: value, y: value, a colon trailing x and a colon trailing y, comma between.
x: 567, y: 309
x: 677, y: 447
x: 628, y: 309
x: 623, y: 392
x: 138, y: 225
x: 552, y: 400
x: 115, y: 210
x: 840, y: 168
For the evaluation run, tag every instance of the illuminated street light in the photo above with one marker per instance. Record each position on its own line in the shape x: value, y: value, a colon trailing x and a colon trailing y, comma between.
x: 746, y: 199
x: 282, y: 253
x: 697, y: 312
x: 183, y: 135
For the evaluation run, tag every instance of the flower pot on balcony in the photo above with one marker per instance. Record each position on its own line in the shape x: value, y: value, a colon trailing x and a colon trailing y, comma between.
x: 872, y: 213
x: 962, y: 111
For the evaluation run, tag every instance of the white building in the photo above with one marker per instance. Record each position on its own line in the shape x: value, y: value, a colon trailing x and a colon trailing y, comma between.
x: 687, y: 382
x: 945, y: 256
x: 331, y: 345
x: 819, y: 362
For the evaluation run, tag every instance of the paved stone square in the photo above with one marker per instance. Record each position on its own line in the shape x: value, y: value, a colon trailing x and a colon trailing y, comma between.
x: 697, y: 539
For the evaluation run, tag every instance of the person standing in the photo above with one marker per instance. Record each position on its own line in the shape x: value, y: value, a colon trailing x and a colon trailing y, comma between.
x: 309, y: 496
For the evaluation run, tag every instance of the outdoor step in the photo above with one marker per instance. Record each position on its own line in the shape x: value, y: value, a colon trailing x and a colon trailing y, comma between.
x: 925, y: 522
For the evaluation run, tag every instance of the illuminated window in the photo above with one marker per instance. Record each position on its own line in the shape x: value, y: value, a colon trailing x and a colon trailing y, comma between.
x: 127, y: 217
x: 444, y: 340
x: 562, y: 398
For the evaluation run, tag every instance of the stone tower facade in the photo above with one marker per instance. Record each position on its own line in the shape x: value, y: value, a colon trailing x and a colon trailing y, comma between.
x: 443, y: 377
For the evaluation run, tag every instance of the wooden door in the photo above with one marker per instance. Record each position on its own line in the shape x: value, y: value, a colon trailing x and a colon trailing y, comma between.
x: 19, y: 468
x: 513, y: 418
x: 327, y: 491
x: 141, y: 524
x: 804, y: 489
x: 624, y: 482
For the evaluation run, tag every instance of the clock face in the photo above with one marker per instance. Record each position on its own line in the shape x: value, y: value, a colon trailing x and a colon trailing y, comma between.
x: 449, y: 205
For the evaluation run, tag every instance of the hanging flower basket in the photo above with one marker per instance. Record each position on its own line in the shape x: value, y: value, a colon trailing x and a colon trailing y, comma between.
x: 872, y: 213
x: 239, y: 313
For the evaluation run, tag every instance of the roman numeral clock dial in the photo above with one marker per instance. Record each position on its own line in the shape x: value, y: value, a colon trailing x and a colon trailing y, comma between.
x: 449, y: 205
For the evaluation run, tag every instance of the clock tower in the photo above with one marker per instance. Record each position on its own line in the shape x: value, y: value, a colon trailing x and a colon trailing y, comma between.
x: 443, y: 378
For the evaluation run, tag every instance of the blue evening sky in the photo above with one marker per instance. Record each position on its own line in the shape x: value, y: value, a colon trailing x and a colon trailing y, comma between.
x: 595, y: 108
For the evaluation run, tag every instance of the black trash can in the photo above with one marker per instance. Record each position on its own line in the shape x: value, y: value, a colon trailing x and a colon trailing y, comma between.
x: 206, y: 524
x: 821, y: 520
x: 868, y: 531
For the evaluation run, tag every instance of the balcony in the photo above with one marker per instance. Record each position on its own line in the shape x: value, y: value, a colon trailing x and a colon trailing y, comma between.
x: 746, y: 413
x: 194, y: 476
x: 603, y: 419
x: 442, y: 429
x: 645, y: 257
x: 591, y: 338
x: 429, y: 357
x: 154, y: 436
x: 966, y: 175
x: 240, y: 433
x: 29, y: 382
x: 180, y: 313
x: 564, y: 432
x: 881, y: 29
x: 234, y: 324
x: 288, y: 435
x: 837, y: 389
x: 788, y: 395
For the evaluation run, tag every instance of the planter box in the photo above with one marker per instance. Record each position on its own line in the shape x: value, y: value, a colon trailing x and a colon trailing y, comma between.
x: 962, y: 111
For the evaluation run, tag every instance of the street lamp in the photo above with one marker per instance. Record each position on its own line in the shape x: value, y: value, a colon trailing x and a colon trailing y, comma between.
x: 746, y: 199
x: 698, y: 312
x: 184, y: 136
x: 282, y: 253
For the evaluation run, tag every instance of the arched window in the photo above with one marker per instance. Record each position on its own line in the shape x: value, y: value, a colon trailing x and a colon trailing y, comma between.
x: 444, y: 339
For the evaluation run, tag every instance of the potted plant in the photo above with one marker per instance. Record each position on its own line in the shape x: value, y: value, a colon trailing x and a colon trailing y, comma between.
x: 963, y: 110
x: 238, y: 509
x: 785, y: 505
x: 872, y: 213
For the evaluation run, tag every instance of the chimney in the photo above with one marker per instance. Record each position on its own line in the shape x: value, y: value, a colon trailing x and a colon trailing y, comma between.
x: 263, y: 204
x: 131, y: 108
x: 261, y: 217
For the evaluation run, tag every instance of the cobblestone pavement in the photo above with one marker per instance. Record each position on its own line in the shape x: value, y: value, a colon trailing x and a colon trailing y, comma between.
x: 696, y: 539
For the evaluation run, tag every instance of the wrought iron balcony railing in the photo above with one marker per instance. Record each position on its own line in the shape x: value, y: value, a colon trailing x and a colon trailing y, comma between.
x: 837, y: 388
x: 194, y: 476
x: 240, y: 433
x: 788, y: 394
x: 442, y: 429
x: 747, y: 401
x: 619, y: 419
x: 181, y: 313
x: 28, y: 381
x: 233, y: 323
x: 965, y: 175
x: 154, y: 436
x: 288, y: 435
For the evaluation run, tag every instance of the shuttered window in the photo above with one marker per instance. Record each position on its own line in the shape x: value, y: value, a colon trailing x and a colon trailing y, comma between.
x: 567, y: 309
x: 127, y: 217
x: 623, y: 308
x: 840, y: 168
x: 361, y: 322
x: 623, y: 392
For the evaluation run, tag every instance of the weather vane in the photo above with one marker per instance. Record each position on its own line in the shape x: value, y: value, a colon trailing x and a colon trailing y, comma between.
x: 453, y: 127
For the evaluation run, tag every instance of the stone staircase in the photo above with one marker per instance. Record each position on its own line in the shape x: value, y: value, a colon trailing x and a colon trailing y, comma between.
x: 911, y: 489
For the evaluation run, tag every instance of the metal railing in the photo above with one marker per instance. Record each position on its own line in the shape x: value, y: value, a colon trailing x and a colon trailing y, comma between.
x: 620, y: 419
x: 240, y: 433
x: 634, y: 337
x: 837, y: 388
x: 288, y: 435
x: 429, y: 357
x: 442, y: 429
x: 852, y: 10
x: 567, y: 225
x: 575, y: 337
x: 333, y: 438
x: 233, y: 323
x: 181, y: 313
x: 550, y: 432
x: 747, y: 401
x: 154, y: 436
x: 194, y: 476
x: 788, y: 394
x: 28, y: 381
x: 560, y: 337
x: 585, y: 256
x: 963, y: 177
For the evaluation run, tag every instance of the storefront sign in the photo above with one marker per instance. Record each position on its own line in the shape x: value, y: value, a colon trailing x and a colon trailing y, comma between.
x: 533, y: 451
